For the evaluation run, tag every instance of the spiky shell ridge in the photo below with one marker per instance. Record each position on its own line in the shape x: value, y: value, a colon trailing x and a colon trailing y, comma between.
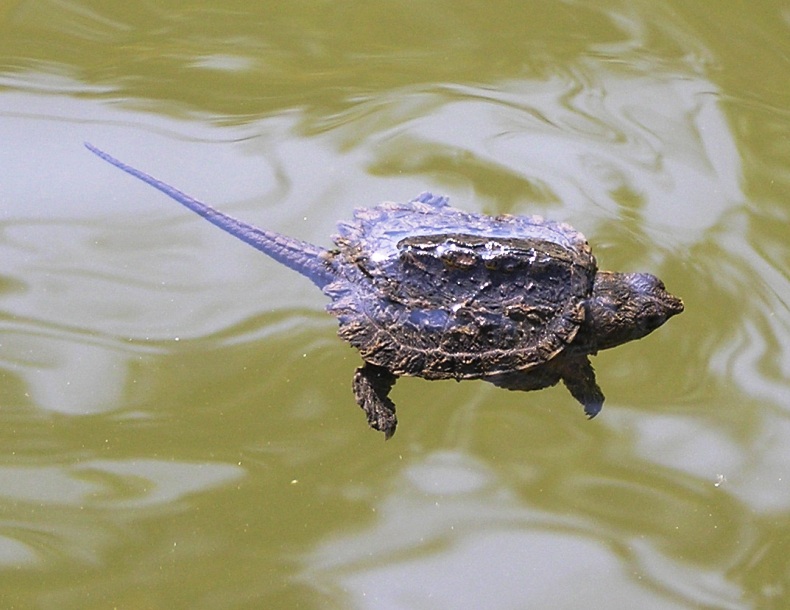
x: 426, y: 289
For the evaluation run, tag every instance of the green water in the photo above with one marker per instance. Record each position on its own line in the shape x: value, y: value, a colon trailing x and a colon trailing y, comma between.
x: 177, y: 428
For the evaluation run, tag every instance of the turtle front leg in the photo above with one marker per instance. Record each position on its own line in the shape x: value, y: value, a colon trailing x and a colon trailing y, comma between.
x: 579, y: 377
x: 372, y: 384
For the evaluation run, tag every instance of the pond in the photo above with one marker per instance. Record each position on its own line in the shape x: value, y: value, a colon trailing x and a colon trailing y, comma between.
x: 177, y: 425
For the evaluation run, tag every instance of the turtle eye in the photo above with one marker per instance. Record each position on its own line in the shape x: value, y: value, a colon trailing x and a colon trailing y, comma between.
x: 646, y: 283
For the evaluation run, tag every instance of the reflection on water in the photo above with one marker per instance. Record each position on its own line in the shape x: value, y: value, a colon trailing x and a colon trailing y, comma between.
x: 177, y: 425
x: 77, y: 512
x: 66, y: 372
x: 452, y: 533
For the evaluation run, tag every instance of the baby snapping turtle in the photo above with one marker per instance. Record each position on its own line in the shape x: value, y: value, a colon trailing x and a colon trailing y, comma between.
x: 424, y: 289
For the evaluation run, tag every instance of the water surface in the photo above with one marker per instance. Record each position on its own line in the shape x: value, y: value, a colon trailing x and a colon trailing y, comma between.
x: 178, y: 428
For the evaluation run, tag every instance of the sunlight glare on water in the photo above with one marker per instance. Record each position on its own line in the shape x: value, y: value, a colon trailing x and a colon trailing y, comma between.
x: 178, y: 423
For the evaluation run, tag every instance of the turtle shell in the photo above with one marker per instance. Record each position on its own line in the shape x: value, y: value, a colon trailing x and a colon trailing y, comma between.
x: 429, y: 290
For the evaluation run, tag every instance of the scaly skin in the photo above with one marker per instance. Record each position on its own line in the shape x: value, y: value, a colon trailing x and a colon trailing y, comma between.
x: 424, y: 289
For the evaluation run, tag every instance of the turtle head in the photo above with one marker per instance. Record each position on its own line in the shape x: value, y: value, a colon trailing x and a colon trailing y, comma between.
x: 627, y: 306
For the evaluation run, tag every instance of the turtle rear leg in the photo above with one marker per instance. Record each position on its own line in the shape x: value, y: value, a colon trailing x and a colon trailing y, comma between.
x: 579, y: 377
x: 372, y: 385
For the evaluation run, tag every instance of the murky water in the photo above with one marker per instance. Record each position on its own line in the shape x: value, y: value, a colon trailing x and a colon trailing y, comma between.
x: 176, y: 421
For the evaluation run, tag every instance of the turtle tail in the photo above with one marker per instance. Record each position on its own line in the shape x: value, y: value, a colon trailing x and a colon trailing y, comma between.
x: 307, y: 259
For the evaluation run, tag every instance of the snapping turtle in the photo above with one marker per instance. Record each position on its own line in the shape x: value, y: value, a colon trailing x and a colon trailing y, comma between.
x: 424, y: 289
